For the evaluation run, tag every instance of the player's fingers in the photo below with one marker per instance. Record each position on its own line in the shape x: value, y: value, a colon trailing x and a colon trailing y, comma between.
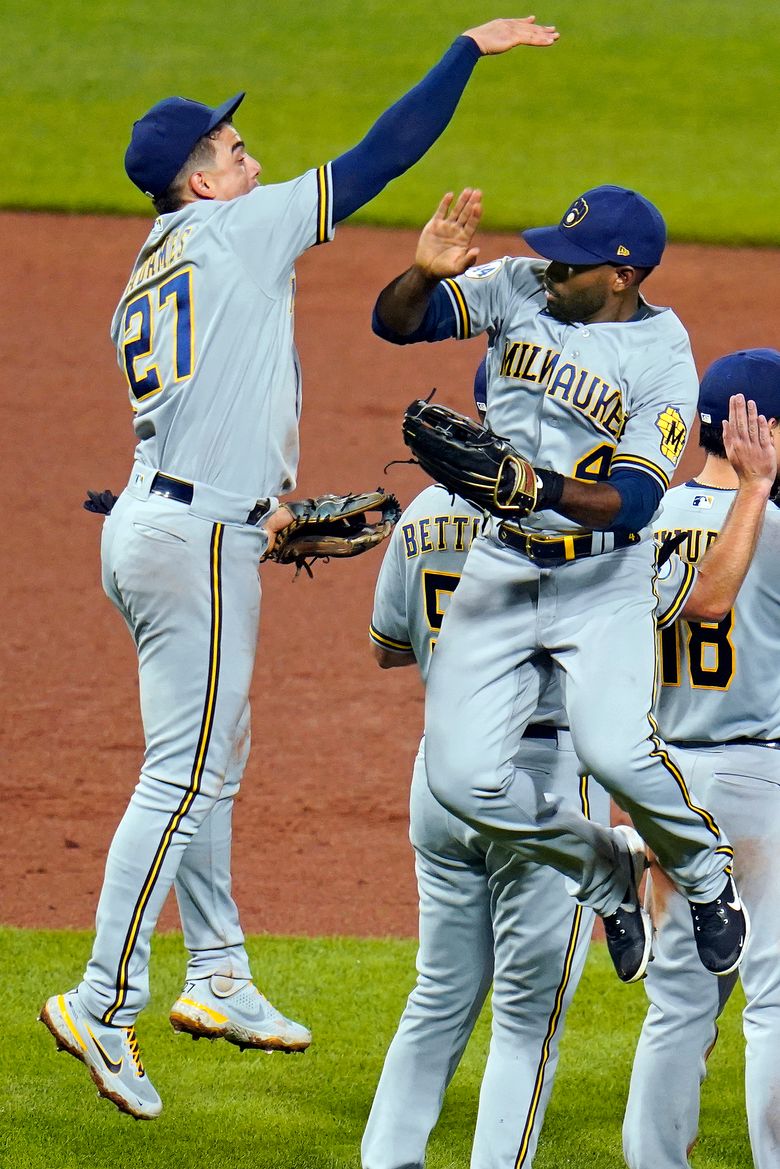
x: 738, y: 414
x: 752, y: 419
x: 461, y: 203
x: 470, y: 208
x: 443, y: 208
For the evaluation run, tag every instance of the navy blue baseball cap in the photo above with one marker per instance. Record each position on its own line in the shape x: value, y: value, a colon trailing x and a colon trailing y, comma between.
x: 163, y: 139
x: 606, y: 225
x: 752, y: 372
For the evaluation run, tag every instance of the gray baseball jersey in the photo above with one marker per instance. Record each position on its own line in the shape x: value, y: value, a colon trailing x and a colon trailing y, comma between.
x: 421, y: 567
x: 223, y: 344
x: 481, y: 907
x: 720, y: 703
x: 578, y: 399
x: 719, y: 683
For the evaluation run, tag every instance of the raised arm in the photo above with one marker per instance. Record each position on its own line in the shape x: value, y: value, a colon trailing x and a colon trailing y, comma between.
x: 404, y: 133
x: 721, y: 571
x: 443, y: 249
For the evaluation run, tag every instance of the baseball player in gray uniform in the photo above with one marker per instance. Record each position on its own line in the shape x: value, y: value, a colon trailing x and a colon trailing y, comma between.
x: 480, y: 904
x: 720, y: 706
x: 204, y: 334
x: 597, y: 387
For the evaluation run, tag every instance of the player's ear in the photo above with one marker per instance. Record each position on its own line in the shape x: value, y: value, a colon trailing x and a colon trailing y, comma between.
x: 199, y: 182
x: 625, y: 277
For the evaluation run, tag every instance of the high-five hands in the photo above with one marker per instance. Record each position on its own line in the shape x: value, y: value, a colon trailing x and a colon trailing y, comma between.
x: 500, y: 35
x: 445, y: 244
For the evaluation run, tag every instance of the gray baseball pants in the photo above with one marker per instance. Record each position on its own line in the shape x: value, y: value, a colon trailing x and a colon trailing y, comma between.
x: 741, y: 783
x: 188, y: 588
x: 595, y: 617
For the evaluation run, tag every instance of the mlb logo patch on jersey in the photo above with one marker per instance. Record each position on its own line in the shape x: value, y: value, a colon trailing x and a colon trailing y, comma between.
x: 673, y: 432
x: 703, y: 501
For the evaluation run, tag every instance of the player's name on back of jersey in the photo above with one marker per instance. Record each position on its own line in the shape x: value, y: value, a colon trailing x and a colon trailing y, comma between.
x: 695, y: 544
x: 440, y: 533
x: 577, y: 387
x: 169, y: 253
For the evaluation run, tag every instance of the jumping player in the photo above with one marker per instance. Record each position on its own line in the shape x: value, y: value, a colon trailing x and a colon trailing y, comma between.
x: 583, y: 375
x: 719, y: 706
x: 204, y: 334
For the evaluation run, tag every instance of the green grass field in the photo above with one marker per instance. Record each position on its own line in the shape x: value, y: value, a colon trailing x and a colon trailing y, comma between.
x: 254, y: 1111
x: 677, y: 99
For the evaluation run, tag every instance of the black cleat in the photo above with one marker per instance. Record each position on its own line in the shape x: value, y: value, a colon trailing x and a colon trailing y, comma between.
x: 721, y: 929
x: 628, y: 930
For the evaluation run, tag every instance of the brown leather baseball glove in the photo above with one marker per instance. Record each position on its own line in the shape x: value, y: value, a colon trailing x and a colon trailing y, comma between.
x: 334, y: 526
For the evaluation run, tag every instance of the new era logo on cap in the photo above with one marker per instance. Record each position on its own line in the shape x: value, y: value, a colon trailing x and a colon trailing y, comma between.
x: 605, y: 225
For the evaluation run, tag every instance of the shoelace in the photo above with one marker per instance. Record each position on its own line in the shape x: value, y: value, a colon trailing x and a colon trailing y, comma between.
x: 716, y: 909
x: 132, y: 1043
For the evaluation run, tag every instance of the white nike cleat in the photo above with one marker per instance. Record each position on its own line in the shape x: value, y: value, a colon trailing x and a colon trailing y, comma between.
x: 234, y: 1009
x: 110, y: 1053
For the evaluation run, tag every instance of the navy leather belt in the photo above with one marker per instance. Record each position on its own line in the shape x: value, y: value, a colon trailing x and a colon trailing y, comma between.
x: 773, y: 744
x: 541, y: 731
x: 551, y: 551
x: 182, y: 492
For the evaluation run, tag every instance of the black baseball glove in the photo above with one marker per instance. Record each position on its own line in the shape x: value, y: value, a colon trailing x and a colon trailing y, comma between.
x: 470, y: 460
x: 334, y: 525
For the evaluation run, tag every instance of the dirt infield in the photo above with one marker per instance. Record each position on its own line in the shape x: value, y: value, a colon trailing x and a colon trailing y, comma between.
x: 320, y: 844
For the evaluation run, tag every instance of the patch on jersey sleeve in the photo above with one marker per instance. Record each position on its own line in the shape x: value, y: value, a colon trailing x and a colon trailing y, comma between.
x: 665, y: 570
x: 674, y: 432
x: 484, y: 271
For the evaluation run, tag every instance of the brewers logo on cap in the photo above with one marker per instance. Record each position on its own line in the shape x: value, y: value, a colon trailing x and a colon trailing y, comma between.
x: 575, y: 214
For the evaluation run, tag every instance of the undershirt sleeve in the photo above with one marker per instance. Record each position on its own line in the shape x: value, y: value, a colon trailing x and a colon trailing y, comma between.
x: 438, y: 324
x: 402, y: 135
x: 640, y: 495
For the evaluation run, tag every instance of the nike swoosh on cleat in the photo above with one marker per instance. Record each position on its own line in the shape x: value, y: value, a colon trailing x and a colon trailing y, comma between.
x: 114, y: 1066
x: 735, y: 905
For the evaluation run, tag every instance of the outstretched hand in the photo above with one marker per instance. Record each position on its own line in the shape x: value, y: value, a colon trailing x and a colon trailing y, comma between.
x: 748, y: 442
x: 444, y: 248
x: 498, y: 36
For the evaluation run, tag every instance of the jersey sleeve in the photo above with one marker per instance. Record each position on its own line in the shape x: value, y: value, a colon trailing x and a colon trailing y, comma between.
x: 674, y: 584
x: 273, y: 225
x: 389, y: 626
x: 660, y: 412
x: 482, y: 296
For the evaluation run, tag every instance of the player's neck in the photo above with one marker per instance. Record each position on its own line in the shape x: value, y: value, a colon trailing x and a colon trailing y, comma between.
x: 717, y: 472
x: 618, y: 309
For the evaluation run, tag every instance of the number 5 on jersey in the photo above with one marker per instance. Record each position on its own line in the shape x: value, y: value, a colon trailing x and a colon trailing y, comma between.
x: 146, y: 317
